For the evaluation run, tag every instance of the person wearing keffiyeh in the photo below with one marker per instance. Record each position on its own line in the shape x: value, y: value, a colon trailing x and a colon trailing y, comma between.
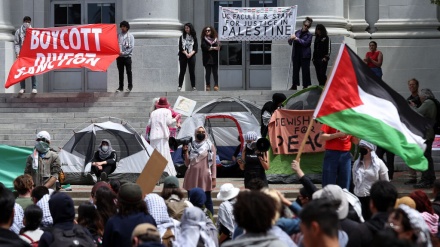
x: 158, y: 209
x: 104, y: 160
x: 210, y: 48
x: 43, y: 164
x: 188, y: 47
x: 367, y: 169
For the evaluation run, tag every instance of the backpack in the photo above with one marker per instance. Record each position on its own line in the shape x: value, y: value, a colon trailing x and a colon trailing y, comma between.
x: 75, y: 237
x: 33, y: 243
x: 175, y: 208
x: 437, y: 117
x: 168, y: 238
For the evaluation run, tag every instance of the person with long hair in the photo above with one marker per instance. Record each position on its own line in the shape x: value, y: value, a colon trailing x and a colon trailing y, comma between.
x: 202, y: 169
x: 89, y: 218
x: 374, y: 59
x: 188, y: 47
x: 210, y: 47
x: 301, y: 41
x: 321, y: 53
x: 424, y: 206
x: 105, y: 203
x: 31, y: 231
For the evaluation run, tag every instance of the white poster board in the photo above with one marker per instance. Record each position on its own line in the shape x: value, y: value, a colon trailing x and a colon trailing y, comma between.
x: 184, y: 106
x: 256, y: 24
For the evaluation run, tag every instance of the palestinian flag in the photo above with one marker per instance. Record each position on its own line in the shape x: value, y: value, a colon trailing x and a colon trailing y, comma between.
x: 359, y: 103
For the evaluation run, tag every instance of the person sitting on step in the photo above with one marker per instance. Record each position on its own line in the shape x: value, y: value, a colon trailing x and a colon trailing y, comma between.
x: 104, y: 161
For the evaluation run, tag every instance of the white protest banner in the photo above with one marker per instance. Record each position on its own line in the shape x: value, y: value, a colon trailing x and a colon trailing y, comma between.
x: 256, y: 24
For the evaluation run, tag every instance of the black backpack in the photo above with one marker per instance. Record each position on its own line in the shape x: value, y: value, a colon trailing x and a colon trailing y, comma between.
x: 437, y: 117
x: 76, y: 237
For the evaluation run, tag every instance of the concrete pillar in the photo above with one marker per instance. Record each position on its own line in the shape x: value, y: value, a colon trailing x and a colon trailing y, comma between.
x: 156, y: 28
x: 407, y: 19
x: 6, y: 43
x: 357, y: 19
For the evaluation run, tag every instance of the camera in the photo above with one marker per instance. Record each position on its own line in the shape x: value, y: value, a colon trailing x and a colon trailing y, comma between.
x: 175, y: 143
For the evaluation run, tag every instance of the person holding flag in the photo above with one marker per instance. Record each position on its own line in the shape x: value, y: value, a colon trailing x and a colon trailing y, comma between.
x: 357, y: 102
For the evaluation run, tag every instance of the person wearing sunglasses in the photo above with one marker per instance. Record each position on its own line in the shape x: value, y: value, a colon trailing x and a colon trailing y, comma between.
x: 301, y: 54
x: 210, y: 47
x: 43, y: 164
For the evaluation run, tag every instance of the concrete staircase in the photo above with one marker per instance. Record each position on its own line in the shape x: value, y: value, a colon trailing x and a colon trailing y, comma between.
x: 61, y: 113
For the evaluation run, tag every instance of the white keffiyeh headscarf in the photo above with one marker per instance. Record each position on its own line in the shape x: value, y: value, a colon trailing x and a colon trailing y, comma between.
x: 198, y: 148
x: 374, y: 161
x: 419, y: 226
x: 192, y: 227
x: 157, y: 208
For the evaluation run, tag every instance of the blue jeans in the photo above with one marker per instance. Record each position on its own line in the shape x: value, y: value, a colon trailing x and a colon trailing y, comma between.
x: 34, y: 83
x: 336, y: 168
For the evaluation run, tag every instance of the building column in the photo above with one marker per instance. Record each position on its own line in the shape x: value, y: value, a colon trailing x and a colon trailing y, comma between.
x: 6, y: 43
x: 156, y: 28
x: 357, y: 19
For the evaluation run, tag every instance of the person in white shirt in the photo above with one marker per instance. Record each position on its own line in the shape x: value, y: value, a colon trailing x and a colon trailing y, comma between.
x: 367, y: 169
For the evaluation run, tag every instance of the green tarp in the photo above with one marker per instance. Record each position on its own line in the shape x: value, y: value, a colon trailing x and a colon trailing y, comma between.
x: 12, y: 163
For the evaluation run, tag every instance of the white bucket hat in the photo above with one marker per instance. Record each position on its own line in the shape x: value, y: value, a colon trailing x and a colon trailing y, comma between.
x: 227, y: 192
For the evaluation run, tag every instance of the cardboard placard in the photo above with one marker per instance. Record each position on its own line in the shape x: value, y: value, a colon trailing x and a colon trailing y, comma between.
x: 184, y: 106
x: 152, y: 172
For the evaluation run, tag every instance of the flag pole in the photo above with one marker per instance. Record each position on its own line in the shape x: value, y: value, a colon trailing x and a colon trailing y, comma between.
x: 303, y: 143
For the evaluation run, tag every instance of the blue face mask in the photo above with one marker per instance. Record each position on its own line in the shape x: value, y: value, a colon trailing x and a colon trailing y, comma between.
x: 104, y: 148
x: 42, y: 147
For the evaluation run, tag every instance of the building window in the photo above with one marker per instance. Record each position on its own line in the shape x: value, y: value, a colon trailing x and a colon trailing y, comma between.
x: 67, y: 14
x: 101, y: 13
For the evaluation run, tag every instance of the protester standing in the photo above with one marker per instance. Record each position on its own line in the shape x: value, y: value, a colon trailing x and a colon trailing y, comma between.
x: 336, y: 168
x: 321, y: 53
x: 20, y: 35
x: 202, y: 169
x: 188, y: 47
x: 367, y: 169
x: 428, y: 109
x: 374, y: 59
x: 126, y: 44
x: 301, y: 54
x: 43, y: 164
x: 159, y: 121
x: 210, y: 47
x: 253, y: 162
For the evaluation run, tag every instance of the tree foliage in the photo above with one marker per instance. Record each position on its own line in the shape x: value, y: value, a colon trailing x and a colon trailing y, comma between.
x: 435, y: 2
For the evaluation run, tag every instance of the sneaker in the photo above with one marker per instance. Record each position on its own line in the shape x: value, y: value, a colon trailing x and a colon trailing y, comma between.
x: 208, y: 88
x: 216, y: 88
x: 128, y: 90
x: 103, y: 176
x: 34, y: 91
x: 194, y: 89
x: 423, y: 185
x: 92, y: 177
x: 411, y: 181
x: 294, y: 87
x: 119, y: 90
x: 21, y: 91
x: 67, y: 187
x: 179, y: 89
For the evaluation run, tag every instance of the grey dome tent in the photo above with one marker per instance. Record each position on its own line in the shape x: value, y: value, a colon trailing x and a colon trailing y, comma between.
x: 132, y: 149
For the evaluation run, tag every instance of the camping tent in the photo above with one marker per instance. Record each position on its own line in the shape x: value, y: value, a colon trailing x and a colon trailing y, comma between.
x: 225, y: 119
x: 311, y: 163
x: 132, y: 149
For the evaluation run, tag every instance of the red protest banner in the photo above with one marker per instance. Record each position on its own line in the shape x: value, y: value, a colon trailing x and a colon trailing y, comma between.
x: 287, y: 129
x: 92, y: 46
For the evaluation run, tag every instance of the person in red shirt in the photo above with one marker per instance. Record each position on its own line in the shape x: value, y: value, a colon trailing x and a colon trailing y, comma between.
x: 336, y: 168
x: 374, y: 59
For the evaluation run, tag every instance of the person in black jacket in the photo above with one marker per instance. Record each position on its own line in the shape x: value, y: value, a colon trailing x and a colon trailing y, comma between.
x: 210, y: 47
x: 104, y: 160
x: 268, y: 109
x: 321, y: 53
x: 187, y: 49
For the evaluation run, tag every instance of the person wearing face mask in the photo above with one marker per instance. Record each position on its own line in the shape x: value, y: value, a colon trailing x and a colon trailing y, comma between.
x: 367, y: 169
x: 20, y: 35
x: 43, y: 164
x: 202, y: 169
x: 104, y: 161
x: 253, y: 162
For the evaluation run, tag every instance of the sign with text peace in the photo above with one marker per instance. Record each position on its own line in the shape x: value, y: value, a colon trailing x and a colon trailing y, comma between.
x: 256, y: 24
x: 92, y: 46
x: 287, y: 129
